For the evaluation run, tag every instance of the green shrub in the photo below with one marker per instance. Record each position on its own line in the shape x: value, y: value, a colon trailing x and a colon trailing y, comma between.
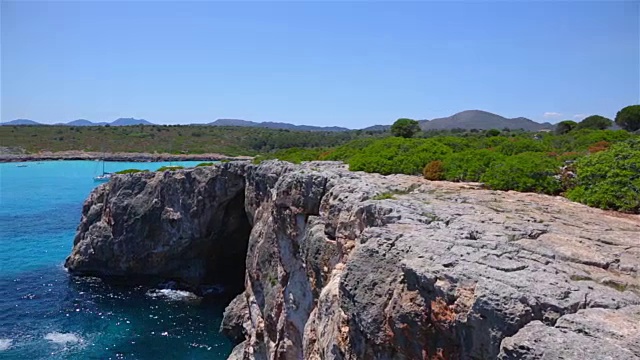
x: 397, y: 155
x: 205, y: 164
x: 610, y: 179
x: 526, y: 172
x: 170, y: 168
x: 130, y: 171
x: 470, y: 165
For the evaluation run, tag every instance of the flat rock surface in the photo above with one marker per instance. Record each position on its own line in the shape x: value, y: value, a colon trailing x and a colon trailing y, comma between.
x: 403, y: 268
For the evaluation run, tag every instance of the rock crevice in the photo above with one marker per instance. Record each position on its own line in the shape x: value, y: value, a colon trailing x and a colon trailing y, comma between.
x: 331, y: 269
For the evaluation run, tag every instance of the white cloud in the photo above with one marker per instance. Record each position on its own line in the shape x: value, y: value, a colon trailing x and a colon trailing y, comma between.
x: 579, y: 116
x: 551, y: 114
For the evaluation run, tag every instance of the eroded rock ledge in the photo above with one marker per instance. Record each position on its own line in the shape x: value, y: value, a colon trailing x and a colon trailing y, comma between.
x: 334, y: 270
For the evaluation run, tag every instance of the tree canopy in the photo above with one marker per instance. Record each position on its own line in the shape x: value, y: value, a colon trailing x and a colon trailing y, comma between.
x: 405, y: 128
x: 629, y: 118
x: 595, y: 122
x: 564, y: 127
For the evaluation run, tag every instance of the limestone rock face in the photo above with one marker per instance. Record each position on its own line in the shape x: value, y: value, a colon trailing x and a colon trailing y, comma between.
x: 438, y: 271
x: 344, y: 265
x: 180, y: 225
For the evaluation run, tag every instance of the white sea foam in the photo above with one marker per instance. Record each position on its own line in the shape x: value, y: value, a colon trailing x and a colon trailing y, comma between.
x: 62, y: 338
x: 5, y: 344
x: 173, y: 295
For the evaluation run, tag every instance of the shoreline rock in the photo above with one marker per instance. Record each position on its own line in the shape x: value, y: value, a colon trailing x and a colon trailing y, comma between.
x: 430, y: 270
x: 131, y: 157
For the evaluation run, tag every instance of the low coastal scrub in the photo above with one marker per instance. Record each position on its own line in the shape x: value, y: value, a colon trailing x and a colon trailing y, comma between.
x: 397, y: 155
x: 205, y: 164
x: 470, y: 165
x: 172, y: 139
x: 526, y: 172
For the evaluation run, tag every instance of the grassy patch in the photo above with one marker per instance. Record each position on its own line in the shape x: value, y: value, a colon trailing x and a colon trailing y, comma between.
x: 130, y: 171
x: 384, y: 196
x: 170, y: 168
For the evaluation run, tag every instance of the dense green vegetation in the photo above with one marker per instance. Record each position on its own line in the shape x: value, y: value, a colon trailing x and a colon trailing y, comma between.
x: 606, y: 173
x: 176, y: 139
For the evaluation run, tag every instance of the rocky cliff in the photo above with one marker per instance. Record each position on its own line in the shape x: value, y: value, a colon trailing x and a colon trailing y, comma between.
x: 343, y: 265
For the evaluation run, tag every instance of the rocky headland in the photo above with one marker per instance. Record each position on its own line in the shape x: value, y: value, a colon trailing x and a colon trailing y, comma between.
x: 333, y: 264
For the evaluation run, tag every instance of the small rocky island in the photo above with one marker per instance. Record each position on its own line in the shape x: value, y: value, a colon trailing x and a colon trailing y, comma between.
x: 333, y: 264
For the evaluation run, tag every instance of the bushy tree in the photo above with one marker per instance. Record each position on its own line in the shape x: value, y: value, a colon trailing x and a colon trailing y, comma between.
x: 405, y: 128
x: 610, y: 179
x: 527, y: 172
x: 595, y: 122
x: 492, y: 132
x: 629, y: 118
x: 565, y: 126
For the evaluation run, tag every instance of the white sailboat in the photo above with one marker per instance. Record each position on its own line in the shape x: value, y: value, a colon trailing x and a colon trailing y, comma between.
x: 105, y: 175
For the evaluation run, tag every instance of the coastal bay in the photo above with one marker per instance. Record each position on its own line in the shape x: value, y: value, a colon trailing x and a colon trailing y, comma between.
x: 46, y: 314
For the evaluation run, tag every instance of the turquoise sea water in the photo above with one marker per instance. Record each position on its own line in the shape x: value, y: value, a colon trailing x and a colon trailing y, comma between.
x: 47, y: 314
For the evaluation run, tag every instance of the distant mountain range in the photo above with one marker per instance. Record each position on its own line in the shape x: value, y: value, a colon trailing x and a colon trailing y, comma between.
x: 84, y: 122
x: 475, y: 119
x: 470, y: 119
x: 482, y: 120
x: 274, y: 125
x: 21, y: 122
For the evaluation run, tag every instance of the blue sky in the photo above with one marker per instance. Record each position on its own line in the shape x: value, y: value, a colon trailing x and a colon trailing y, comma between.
x: 350, y: 64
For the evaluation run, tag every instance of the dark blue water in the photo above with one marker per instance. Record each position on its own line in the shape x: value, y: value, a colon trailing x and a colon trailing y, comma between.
x: 47, y: 314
